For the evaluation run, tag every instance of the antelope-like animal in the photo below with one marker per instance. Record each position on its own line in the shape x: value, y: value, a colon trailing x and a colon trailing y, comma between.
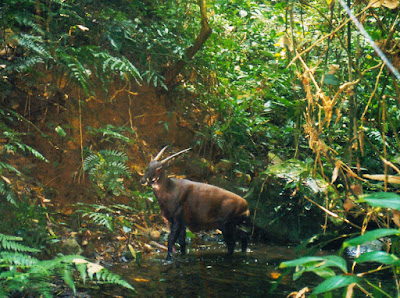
x: 198, y: 206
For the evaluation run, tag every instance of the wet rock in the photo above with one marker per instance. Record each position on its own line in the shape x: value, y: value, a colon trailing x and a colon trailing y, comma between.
x: 375, y: 245
x: 70, y: 246
x: 278, y: 204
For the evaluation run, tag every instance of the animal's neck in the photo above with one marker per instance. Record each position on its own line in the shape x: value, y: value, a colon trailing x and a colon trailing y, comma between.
x: 163, y: 184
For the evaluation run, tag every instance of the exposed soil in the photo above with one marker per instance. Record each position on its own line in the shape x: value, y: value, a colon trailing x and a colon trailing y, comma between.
x: 149, y: 114
x: 61, y: 182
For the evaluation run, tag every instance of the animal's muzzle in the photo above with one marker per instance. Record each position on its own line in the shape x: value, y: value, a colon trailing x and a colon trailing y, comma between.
x: 144, y: 181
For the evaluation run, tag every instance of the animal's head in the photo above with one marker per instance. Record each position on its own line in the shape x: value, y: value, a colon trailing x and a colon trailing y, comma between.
x: 156, y: 168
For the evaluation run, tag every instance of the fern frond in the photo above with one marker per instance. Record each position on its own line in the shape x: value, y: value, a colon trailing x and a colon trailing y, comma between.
x: 25, y: 20
x: 77, y: 70
x: 8, y: 192
x: 11, y: 243
x: 29, y: 149
x: 101, y: 219
x: 18, y: 259
x: 122, y: 66
x: 119, y: 169
x: 9, y: 238
x: 91, y: 161
x: 114, y: 154
x: 157, y: 78
x: 24, y: 64
x: 14, y: 143
x: 116, y: 135
x: 34, y: 44
x: 102, y: 274
x: 8, y: 167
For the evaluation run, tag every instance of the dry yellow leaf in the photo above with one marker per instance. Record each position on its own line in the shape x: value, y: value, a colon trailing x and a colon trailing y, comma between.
x: 141, y: 279
x: 94, y: 268
x: 391, y: 4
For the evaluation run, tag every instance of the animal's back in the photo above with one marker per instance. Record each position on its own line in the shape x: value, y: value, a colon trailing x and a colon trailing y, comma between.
x: 207, y: 206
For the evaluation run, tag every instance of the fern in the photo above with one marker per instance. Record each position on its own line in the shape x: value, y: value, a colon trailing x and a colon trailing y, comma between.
x: 29, y: 276
x: 101, y: 219
x: 15, y: 144
x: 107, y: 63
x: 8, y: 242
x: 107, y: 169
x: 26, y: 20
x: 8, y: 192
x: 17, y: 259
x: 8, y: 167
x: 77, y: 61
x: 158, y: 80
x: 108, y: 217
x: 24, y: 65
x: 33, y: 44
x: 76, y: 68
x: 111, y: 132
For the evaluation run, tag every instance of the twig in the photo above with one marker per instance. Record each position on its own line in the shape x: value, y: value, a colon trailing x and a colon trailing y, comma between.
x: 332, y: 213
x: 326, y: 36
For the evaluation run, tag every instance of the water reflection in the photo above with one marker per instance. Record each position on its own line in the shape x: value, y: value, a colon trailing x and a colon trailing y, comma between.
x: 211, y: 273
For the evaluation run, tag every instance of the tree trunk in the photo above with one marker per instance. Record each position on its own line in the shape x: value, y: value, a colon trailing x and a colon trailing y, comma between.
x: 171, y: 75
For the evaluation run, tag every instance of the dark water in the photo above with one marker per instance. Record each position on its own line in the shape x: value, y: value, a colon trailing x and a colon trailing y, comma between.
x: 211, y: 273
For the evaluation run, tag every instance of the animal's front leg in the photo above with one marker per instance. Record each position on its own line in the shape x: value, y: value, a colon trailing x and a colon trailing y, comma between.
x: 182, y: 239
x: 228, y: 230
x: 176, y: 227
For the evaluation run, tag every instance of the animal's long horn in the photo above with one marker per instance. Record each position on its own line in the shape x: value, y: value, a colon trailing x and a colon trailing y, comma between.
x: 173, y: 155
x: 160, y: 153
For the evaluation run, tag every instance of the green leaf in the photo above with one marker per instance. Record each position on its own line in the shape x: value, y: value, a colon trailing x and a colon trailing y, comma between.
x: 336, y: 261
x: 379, y: 257
x: 67, y: 275
x: 82, y: 269
x: 304, y: 261
x: 369, y: 236
x: 325, y: 272
x: 317, y: 262
x: 330, y: 79
x: 60, y: 131
x: 382, y: 199
x: 336, y: 282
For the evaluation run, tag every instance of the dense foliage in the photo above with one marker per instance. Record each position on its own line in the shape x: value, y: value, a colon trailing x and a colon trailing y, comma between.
x: 291, y: 79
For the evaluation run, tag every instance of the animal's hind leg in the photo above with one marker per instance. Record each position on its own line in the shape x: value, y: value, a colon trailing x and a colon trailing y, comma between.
x: 243, y: 238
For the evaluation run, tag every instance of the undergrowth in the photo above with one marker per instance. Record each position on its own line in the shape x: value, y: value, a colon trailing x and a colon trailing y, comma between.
x: 23, y: 274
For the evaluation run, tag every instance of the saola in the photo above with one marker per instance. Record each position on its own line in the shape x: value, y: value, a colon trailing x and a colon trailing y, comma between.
x: 198, y: 206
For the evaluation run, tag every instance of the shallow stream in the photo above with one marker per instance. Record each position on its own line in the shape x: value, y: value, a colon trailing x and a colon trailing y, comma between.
x: 209, y: 272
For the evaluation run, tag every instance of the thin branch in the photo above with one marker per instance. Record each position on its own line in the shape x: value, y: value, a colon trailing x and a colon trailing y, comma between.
x: 332, y: 213
x: 326, y: 36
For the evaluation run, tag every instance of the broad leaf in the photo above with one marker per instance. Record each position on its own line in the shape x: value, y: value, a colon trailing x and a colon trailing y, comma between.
x: 382, y: 199
x: 300, y: 262
x: 314, y: 263
x: 336, y: 282
x: 378, y: 256
x: 369, y: 236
